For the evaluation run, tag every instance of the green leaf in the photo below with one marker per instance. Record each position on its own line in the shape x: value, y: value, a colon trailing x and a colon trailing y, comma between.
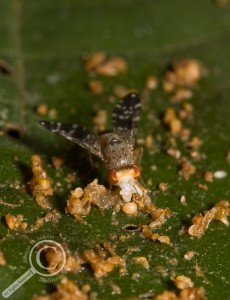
x: 42, y: 43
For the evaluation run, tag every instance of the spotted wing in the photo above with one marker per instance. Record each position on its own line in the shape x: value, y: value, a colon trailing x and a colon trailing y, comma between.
x: 126, y: 114
x: 75, y: 133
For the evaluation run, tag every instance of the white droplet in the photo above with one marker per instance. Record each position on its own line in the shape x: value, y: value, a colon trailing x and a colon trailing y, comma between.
x: 130, y: 208
x: 220, y: 174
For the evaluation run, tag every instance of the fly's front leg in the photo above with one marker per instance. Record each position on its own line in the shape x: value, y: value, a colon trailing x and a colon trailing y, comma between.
x: 138, y: 153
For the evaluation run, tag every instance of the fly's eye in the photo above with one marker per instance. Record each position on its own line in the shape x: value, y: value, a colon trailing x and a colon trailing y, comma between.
x: 113, y: 177
x: 137, y: 171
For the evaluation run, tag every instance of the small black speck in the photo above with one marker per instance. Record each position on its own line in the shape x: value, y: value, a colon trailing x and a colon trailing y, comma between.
x: 131, y: 227
x: 13, y: 132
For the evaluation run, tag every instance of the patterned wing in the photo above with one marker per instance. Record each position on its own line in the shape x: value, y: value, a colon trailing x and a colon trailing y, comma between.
x: 75, y: 133
x: 126, y: 114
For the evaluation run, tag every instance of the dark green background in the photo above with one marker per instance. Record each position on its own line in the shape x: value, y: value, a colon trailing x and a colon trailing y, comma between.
x: 44, y: 41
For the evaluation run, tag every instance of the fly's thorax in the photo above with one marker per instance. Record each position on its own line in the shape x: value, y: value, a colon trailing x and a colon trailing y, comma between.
x: 117, y: 150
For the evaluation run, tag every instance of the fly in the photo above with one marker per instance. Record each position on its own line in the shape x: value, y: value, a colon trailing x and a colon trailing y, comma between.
x: 116, y: 147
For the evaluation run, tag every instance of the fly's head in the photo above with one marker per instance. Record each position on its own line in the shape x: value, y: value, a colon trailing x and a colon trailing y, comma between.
x: 126, y: 180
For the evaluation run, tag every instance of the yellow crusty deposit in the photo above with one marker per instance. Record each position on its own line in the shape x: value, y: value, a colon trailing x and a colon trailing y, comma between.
x: 40, y: 184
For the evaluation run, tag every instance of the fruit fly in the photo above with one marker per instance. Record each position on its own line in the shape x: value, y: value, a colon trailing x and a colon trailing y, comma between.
x: 114, y: 147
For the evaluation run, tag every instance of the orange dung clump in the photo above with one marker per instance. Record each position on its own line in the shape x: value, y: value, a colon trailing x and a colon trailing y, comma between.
x: 40, y: 184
